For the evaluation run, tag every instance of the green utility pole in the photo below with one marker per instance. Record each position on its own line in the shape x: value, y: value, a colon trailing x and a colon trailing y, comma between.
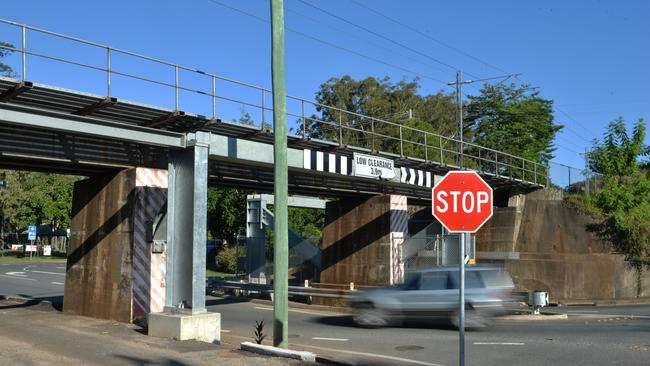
x: 281, y: 227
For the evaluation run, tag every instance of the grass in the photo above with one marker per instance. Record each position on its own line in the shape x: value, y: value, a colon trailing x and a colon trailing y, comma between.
x: 11, y: 257
x: 211, y: 273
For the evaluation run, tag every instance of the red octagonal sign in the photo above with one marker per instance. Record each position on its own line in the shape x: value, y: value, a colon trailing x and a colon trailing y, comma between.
x: 462, y: 202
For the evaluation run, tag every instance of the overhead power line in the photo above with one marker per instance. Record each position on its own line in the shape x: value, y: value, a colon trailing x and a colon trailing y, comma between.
x: 411, y: 49
x: 316, y: 39
x: 365, y: 40
x: 417, y: 31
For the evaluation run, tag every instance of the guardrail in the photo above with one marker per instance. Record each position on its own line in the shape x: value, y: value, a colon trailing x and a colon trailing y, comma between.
x: 213, y: 283
x: 334, y: 124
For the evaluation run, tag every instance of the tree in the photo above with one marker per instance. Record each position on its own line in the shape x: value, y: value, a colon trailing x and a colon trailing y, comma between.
x: 5, y: 70
x: 36, y: 198
x: 226, y: 213
x: 512, y: 119
x: 398, y: 103
x: 624, y: 203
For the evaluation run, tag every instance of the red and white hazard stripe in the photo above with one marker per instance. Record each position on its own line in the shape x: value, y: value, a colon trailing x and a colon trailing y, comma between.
x: 148, y: 268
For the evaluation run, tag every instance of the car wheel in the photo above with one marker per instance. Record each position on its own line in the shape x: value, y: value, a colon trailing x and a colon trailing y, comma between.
x: 370, y: 317
x: 472, y: 319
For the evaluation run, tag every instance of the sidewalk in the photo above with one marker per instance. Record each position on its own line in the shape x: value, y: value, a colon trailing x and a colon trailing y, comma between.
x: 35, y: 333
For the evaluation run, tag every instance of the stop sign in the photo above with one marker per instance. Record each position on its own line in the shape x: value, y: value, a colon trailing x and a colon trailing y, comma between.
x: 462, y: 202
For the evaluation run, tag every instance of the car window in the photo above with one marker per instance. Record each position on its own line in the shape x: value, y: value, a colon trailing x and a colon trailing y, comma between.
x: 472, y: 280
x: 496, y: 278
x: 411, y: 282
x: 434, y: 281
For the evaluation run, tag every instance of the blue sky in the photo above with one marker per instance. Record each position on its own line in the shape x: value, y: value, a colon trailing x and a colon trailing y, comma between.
x: 590, y: 57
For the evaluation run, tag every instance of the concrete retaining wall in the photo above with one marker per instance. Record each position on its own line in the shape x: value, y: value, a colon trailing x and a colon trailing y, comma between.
x: 546, y: 244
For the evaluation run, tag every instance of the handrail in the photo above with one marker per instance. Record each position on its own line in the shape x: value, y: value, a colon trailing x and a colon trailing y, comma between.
x: 374, y: 133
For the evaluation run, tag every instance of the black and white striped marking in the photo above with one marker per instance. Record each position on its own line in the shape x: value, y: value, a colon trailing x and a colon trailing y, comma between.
x: 327, y: 162
x: 341, y: 164
x: 415, y: 176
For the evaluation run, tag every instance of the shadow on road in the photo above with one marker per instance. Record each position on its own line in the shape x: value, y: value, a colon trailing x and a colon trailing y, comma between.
x: 348, y: 322
x: 52, y: 302
x: 145, y: 361
x: 227, y: 300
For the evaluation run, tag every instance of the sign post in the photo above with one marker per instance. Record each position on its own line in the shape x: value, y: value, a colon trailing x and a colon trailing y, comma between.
x: 462, y: 202
x: 31, y: 236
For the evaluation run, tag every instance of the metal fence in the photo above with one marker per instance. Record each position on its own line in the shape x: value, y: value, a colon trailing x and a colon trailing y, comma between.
x: 575, y: 181
x: 438, y: 250
x: 218, y: 94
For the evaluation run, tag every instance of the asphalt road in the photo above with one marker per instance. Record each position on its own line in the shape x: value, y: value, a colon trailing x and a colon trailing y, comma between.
x: 602, y: 335
x: 32, y: 280
x: 590, y: 339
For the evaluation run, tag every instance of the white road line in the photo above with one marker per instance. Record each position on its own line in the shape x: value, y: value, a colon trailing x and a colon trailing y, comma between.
x: 398, y: 359
x: 225, y: 331
x: 57, y: 283
x: 309, y: 312
x: 18, y: 274
x: 330, y: 339
x: 44, y: 272
x: 582, y: 311
x: 500, y: 343
x: 18, y: 278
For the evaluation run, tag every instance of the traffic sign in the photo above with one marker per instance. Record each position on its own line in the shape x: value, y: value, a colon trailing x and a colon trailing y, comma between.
x: 31, y: 232
x: 462, y: 202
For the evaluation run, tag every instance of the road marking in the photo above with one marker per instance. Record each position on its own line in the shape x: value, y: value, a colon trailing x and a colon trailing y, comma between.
x: 392, y: 358
x: 500, y: 343
x: 309, y: 312
x: 19, y: 274
x: 330, y: 339
x: 18, y: 278
x: 225, y: 331
x: 57, y: 283
x: 582, y: 311
x: 44, y: 272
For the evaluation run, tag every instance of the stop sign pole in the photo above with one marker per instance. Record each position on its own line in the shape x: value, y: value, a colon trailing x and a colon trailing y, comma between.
x: 462, y: 202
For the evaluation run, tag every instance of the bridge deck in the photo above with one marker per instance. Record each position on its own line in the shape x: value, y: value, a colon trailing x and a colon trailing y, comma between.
x: 81, y: 152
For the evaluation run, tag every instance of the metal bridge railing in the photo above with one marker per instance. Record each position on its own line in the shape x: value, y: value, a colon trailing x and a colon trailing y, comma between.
x: 334, y: 124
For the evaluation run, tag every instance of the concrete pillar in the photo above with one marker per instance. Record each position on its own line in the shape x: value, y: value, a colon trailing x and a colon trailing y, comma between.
x: 185, y: 315
x: 113, y: 270
x: 362, y: 240
x: 255, y: 254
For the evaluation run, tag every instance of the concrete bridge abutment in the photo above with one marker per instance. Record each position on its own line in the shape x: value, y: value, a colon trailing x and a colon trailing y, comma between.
x: 138, y: 248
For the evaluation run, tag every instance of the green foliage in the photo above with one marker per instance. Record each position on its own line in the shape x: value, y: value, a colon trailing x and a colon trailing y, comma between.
x: 36, y: 198
x: 5, y: 70
x: 617, y: 155
x: 226, y: 213
x: 227, y: 258
x: 308, y: 223
x: 624, y: 203
x: 510, y: 118
x: 398, y: 103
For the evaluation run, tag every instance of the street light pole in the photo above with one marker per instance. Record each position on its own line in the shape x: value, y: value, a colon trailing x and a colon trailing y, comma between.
x: 281, y: 227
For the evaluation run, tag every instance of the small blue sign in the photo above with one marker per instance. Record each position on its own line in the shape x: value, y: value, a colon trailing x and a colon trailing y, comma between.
x: 31, y: 232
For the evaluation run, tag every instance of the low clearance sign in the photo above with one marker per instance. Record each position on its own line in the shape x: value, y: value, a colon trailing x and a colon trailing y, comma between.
x: 462, y: 202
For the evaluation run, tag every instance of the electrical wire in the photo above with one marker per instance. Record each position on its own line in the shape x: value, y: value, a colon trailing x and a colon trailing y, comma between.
x: 417, y: 31
x: 411, y: 49
x: 316, y: 39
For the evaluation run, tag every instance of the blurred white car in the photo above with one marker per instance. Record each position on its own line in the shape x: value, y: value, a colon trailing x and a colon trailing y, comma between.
x: 433, y: 294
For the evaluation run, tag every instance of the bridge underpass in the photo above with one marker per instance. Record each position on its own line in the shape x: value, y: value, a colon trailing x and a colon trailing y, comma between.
x: 51, y: 129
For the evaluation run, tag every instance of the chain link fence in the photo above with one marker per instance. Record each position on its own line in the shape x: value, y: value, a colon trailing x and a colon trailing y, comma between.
x: 574, y: 180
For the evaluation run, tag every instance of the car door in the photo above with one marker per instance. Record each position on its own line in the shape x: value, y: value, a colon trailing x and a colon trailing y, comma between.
x: 431, y: 298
